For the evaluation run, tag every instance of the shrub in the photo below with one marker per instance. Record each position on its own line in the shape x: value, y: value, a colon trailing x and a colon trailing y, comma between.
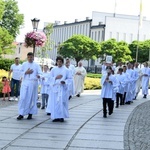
x: 3, y: 73
x: 92, y: 83
x: 92, y: 75
x: 6, y: 63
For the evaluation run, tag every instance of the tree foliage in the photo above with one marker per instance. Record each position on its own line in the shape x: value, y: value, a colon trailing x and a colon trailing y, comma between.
x: 11, y: 18
x: 79, y: 47
x: 6, y: 41
x: 143, y: 48
x: 2, y: 7
x: 43, y: 51
x: 118, y: 50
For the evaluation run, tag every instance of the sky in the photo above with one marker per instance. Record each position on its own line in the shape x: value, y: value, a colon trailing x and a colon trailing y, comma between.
x: 69, y: 10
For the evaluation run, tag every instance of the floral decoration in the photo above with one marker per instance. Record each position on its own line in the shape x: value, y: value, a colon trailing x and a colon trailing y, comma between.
x: 35, y: 39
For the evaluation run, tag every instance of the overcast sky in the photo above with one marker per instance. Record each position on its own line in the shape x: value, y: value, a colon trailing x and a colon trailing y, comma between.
x: 69, y: 10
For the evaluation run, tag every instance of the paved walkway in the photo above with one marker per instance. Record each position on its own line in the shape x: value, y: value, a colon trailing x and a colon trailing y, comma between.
x: 86, y: 129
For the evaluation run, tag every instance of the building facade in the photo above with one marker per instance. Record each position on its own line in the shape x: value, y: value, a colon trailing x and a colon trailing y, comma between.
x: 102, y: 26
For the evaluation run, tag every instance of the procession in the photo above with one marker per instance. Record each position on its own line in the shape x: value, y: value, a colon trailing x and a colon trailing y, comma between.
x: 120, y: 86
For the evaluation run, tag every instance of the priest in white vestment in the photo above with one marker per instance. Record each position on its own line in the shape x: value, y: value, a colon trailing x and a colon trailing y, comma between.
x: 59, y: 80
x: 31, y: 71
x: 80, y: 74
x: 145, y: 79
x: 130, y: 78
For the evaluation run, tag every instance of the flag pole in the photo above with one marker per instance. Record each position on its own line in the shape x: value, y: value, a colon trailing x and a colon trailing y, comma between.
x: 139, y: 26
x: 137, y: 48
x: 115, y: 8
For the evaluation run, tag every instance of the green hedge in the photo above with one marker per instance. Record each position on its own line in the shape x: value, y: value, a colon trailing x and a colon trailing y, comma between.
x: 92, y: 75
x: 6, y: 63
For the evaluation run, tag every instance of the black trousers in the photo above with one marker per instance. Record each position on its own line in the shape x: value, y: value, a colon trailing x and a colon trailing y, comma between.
x: 108, y: 102
x: 119, y: 99
x: 124, y: 97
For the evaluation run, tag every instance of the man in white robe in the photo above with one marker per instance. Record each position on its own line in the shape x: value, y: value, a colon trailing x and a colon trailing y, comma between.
x: 138, y: 81
x: 59, y: 79
x: 145, y: 79
x: 80, y: 74
x: 119, y: 95
x: 72, y: 71
x: 130, y: 77
x: 31, y: 71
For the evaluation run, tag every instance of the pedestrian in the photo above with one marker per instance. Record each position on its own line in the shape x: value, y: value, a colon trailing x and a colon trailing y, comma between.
x: 80, y: 74
x: 15, y: 69
x: 29, y: 88
x: 72, y: 72
x: 121, y: 80
x: 6, y: 88
x: 108, y: 83
x: 138, y: 82
x: 44, y: 86
x: 130, y: 77
x: 145, y: 79
x: 58, y: 97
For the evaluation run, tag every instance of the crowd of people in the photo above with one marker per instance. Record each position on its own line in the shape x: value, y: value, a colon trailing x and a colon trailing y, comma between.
x: 57, y: 84
x: 121, y: 85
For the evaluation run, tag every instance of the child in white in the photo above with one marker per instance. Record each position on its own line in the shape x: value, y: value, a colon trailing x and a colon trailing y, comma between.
x: 44, y: 87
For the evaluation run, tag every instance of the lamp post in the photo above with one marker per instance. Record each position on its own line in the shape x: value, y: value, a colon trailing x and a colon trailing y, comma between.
x: 35, y: 23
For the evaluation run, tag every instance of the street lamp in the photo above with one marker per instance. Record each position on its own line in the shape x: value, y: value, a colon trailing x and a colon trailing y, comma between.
x: 35, y: 23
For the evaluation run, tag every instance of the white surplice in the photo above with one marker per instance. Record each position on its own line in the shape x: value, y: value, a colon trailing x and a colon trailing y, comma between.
x: 145, y: 80
x: 29, y: 89
x: 138, y: 82
x: 72, y: 86
x: 109, y: 89
x: 129, y: 90
x: 79, y: 80
x: 59, y: 93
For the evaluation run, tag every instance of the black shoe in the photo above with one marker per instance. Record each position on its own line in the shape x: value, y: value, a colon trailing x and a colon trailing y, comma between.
x: 134, y: 98
x: 56, y: 120
x: 110, y: 113
x: 43, y: 107
x: 19, y: 117
x: 117, y: 106
x: 61, y: 119
x: 70, y: 97
x: 78, y: 95
x: 48, y: 114
x: 144, y: 96
x: 29, y: 116
x: 105, y: 116
x: 128, y: 102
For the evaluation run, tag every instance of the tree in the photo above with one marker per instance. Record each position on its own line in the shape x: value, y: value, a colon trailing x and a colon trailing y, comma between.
x: 11, y: 19
x: 6, y: 41
x: 79, y: 47
x: 118, y: 50
x: 143, y: 50
x: 2, y: 7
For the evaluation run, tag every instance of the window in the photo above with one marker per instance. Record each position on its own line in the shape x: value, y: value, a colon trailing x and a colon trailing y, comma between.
x: 110, y: 35
x: 124, y: 36
x: 117, y: 38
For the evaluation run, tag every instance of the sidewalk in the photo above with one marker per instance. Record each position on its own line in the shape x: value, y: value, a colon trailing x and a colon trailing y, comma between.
x: 86, y: 129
